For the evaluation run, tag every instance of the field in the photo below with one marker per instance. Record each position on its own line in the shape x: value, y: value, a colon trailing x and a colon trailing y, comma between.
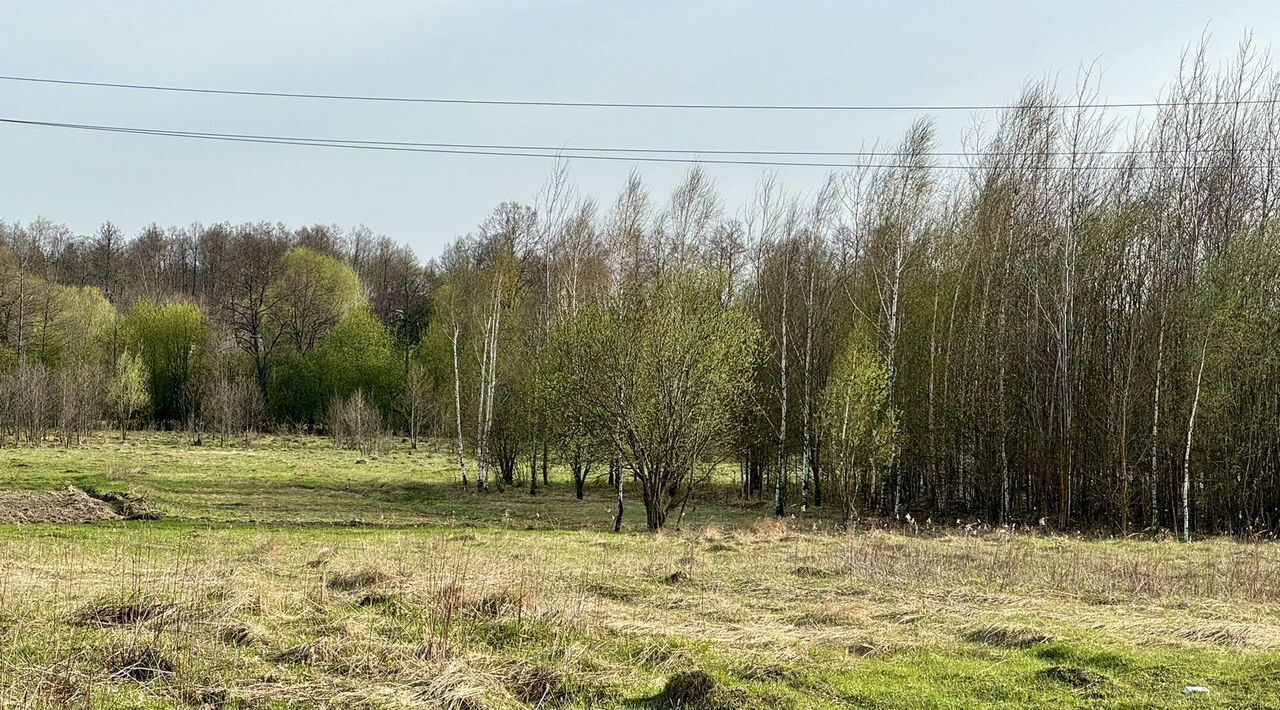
x: 294, y: 574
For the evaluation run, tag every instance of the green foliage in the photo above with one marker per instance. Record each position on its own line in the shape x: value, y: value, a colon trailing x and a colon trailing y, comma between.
x: 332, y: 344
x: 172, y: 340
x: 1238, y: 311
x: 310, y: 297
x: 8, y: 358
x: 857, y: 419
x: 127, y: 390
x: 434, y: 353
x: 296, y: 392
x: 661, y: 376
x: 360, y: 355
x: 80, y: 331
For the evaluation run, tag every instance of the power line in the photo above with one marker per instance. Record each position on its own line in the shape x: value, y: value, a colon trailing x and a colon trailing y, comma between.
x: 643, y: 151
x: 613, y: 154
x: 320, y: 143
x: 632, y: 105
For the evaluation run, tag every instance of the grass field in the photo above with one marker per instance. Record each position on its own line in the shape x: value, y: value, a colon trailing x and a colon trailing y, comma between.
x: 293, y: 574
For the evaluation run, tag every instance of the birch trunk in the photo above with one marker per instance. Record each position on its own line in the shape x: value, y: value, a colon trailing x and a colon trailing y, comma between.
x: 892, y: 365
x: 1186, y: 460
x: 493, y: 378
x: 1155, y: 430
x: 807, y: 422
x: 457, y: 408
x: 482, y: 473
x: 780, y: 481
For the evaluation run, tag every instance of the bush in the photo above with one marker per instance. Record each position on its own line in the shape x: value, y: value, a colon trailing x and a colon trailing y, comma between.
x: 356, y: 424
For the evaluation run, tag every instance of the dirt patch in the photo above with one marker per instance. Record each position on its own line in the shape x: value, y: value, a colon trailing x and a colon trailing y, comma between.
x: 129, y: 506
x: 70, y: 506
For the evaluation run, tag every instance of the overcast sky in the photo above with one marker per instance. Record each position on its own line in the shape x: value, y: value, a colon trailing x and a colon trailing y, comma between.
x: 838, y: 52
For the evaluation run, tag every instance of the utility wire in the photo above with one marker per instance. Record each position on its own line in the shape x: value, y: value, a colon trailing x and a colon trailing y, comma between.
x: 596, y: 149
x: 633, y: 105
x: 612, y: 154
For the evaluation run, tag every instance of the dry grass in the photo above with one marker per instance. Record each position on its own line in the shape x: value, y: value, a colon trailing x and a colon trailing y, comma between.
x: 756, y: 612
x: 422, y: 620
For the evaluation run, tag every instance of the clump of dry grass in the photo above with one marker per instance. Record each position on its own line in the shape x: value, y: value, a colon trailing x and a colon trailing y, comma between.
x: 139, y: 663
x: 302, y: 653
x: 136, y: 609
x: 56, y: 687
x: 126, y: 474
x: 871, y: 650
x: 1215, y: 634
x: 322, y: 558
x: 712, y: 533
x: 695, y: 690
x: 806, y: 571
x: 826, y: 614
x: 358, y: 579
x: 206, y: 698
x: 615, y: 589
x: 676, y: 578
x: 241, y: 634
x: 457, y: 685
x: 130, y: 505
x: 662, y: 654
x: 264, y: 550
x: 389, y: 602
x: 768, y: 530
x: 716, y: 539
x: 1085, y: 680
x: 767, y: 672
x: 1007, y: 636
x: 535, y: 684
x: 504, y: 603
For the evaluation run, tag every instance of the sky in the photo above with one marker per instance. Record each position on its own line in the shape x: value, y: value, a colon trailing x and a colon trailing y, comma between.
x: 712, y: 51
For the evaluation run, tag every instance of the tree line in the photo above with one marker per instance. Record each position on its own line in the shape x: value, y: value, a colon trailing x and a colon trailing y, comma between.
x: 1071, y: 323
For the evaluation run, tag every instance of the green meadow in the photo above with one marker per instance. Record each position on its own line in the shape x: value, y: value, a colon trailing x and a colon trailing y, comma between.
x: 290, y: 573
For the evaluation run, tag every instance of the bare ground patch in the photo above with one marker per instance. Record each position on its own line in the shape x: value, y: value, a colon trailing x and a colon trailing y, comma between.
x: 70, y: 506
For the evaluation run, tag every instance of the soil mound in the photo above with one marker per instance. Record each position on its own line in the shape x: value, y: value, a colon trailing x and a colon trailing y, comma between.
x: 70, y: 506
